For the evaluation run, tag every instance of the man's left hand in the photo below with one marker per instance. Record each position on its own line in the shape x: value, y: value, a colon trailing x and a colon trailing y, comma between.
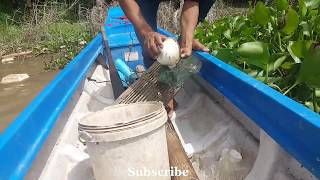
x: 186, y: 47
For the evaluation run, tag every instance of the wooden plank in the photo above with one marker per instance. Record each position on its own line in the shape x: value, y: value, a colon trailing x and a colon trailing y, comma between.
x: 177, y: 156
x: 148, y: 88
x: 117, y: 87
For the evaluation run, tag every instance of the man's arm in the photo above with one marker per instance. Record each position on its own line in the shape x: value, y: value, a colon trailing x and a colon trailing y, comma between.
x: 132, y: 11
x: 152, y: 40
x: 189, y: 21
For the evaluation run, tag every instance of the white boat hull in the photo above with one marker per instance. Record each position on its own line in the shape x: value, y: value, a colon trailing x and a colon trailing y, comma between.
x: 206, y: 122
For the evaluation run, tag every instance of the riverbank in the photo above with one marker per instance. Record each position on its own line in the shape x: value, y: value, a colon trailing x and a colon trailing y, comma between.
x: 50, y: 27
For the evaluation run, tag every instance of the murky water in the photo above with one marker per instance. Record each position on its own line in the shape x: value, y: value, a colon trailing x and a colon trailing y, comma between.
x: 14, y: 97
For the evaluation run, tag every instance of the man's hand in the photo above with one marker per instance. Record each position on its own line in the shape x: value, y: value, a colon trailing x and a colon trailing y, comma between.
x: 153, y: 43
x: 186, y: 47
x: 152, y: 40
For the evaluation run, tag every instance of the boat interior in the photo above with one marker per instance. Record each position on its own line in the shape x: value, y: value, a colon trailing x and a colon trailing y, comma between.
x: 220, y: 141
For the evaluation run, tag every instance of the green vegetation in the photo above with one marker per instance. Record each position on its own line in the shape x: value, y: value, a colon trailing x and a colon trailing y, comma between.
x: 64, y: 38
x: 51, y: 27
x: 276, y: 44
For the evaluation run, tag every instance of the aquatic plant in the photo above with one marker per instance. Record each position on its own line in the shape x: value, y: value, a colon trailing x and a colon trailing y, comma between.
x: 277, y: 44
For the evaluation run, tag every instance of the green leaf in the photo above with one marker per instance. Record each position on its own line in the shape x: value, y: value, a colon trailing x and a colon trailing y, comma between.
x: 287, y: 65
x: 318, y: 93
x: 309, y: 104
x: 247, y: 32
x: 305, y: 28
x: 200, y: 33
x: 292, y: 54
x: 302, y: 8
x: 261, y: 14
x: 227, y: 34
x: 309, y: 72
x: 313, y: 4
x: 281, y: 4
x: 275, y: 65
x: 238, y: 23
x: 226, y: 55
x: 301, y: 48
x: 256, y: 53
x: 233, y: 43
x: 316, y: 24
x: 234, y: 21
x: 252, y: 73
x: 291, y: 22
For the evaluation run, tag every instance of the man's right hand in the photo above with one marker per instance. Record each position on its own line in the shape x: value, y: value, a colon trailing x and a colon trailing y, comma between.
x: 152, y: 40
x: 153, y: 43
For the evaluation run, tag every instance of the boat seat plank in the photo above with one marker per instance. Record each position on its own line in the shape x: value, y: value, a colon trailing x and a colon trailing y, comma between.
x: 148, y: 88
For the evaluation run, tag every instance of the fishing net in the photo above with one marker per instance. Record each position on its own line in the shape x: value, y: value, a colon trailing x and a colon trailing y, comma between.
x: 176, y: 76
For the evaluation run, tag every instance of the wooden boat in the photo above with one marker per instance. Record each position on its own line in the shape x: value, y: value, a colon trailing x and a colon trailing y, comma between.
x: 222, y: 112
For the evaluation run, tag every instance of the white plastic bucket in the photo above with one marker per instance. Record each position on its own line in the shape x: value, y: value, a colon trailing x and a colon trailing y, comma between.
x: 127, y: 141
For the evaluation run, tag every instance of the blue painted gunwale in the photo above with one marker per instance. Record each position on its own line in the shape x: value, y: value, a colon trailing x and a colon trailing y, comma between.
x: 292, y: 125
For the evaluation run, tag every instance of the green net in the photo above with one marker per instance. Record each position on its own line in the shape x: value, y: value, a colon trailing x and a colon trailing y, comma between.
x: 176, y: 76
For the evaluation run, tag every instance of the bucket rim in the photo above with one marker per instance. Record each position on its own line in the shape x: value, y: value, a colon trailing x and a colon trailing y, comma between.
x: 122, y: 128
x: 85, y: 124
x: 124, y: 132
x: 148, y: 117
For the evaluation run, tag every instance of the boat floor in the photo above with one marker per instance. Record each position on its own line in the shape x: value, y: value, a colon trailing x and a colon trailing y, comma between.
x: 210, y: 134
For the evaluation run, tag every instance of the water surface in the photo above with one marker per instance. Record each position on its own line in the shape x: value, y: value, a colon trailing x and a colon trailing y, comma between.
x: 14, y: 97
